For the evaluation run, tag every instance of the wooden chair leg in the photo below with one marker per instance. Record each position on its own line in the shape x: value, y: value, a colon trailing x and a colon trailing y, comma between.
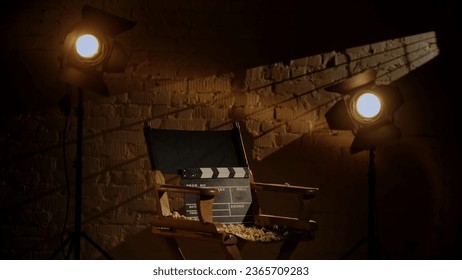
x: 175, y: 248
x: 232, y: 252
x: 232, y: 247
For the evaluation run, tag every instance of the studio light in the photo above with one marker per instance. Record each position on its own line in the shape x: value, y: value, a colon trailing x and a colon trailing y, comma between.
x: 90, y: 50
x: 367, y: 109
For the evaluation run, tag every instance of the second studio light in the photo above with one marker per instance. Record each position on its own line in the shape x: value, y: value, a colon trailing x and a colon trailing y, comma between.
x: 367, y: 109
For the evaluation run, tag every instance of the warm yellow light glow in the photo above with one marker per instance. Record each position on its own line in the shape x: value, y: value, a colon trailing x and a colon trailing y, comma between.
x: 87, y: 46
x: 368, y: 105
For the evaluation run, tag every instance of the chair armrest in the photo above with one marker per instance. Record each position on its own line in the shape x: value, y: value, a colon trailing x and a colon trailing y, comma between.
x: 307, y: 192
x: 303, y: 193
x: 291, y: 222
x: 190, y: 190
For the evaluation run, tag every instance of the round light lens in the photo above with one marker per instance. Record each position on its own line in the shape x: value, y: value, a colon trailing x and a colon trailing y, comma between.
x: 87, y: 46
x: 368, y: 105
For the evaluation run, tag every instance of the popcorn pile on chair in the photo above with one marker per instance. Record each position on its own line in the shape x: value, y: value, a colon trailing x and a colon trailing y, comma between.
x: 252, y: 233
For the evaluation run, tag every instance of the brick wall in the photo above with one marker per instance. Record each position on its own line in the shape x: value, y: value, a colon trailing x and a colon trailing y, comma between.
x: 177, y: 80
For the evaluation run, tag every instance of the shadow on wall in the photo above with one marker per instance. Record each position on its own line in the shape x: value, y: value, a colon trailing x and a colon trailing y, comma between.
x: 323, y: 161
x: 418, y: 195
x: 407, y: 211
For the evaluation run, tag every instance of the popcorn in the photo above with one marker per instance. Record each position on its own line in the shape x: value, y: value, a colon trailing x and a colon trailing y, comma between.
x: 251, y: 232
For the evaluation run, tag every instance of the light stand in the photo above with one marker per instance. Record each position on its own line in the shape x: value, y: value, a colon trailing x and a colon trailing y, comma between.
x: 74, y: 238
x: 374, y: 249
x: 367, y: 109
x: 89, y: 51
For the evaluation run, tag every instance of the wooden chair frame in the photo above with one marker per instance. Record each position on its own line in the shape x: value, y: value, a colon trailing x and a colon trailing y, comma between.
x: 299, y: 228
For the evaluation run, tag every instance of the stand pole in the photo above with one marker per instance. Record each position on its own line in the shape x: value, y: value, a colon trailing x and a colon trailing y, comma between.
x: 372, y: 241
x: 78, y: 176
x: 74, y: 237
x: 374, y: 249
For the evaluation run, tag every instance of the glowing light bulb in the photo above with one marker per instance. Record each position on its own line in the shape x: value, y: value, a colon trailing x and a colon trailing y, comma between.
x: 87, y: 46
x: 368, y: 105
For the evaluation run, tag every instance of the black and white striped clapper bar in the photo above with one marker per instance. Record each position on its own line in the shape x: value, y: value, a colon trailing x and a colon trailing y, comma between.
x: 233, y: 203
x: 215, y: 172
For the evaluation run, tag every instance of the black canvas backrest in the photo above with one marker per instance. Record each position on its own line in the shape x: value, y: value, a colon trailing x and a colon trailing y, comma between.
x: 206, y: 159
x: 172, y: 150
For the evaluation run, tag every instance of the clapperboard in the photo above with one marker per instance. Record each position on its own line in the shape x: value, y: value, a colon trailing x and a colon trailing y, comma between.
x: 233, y: 204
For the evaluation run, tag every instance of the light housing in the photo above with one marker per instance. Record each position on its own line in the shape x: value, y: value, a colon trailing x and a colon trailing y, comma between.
x: 375, y: 126
x: 82, y: 69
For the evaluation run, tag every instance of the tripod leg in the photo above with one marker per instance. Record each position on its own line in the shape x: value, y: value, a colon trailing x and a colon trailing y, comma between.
x: 97, y: 247
x: 379, y: 252
x: 384, y: 253
x: 354, y: 248
x: 69, y: 252
x: 61, y: 248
